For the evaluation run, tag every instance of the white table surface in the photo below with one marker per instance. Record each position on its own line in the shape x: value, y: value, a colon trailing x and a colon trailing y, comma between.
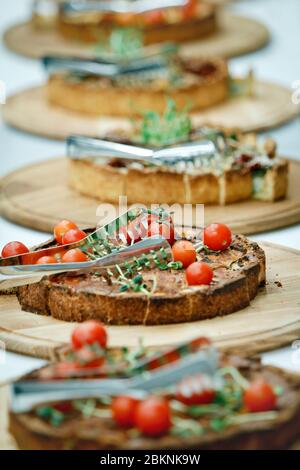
x: 279, y: 61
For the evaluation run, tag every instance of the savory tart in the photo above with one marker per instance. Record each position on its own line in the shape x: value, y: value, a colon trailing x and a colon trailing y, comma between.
x: 188, y: 23
x: 197, y: 83
x: 207, y: 275
x: 242, y: 168
x: 240, y: 404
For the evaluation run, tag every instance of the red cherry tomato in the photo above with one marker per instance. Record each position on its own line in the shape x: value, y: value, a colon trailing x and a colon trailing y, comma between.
x: 72, y: 236
x: 154, y: 17
x: 190, y: 8
x: 89, y: 332
x: 89, y: 359
x: 196, y: 390
x: 74, y: 256
x: 13, y: 249
x: 64, y: 407
x: 184, y: 252
x: 123, y: 411
x: 46, y: 260
x: 217, y: 237
x: 199, y: 274
x: 153, y: 417
x: 63, y: 227
x: 163, y: 229
x: 260, y: 396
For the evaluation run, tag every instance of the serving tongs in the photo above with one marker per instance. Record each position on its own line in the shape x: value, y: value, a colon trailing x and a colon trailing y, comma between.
x: 28, y: 394
x: 117, y: 6
x: 150, y: 65
x: 106, y: 247
x: 80, y: 147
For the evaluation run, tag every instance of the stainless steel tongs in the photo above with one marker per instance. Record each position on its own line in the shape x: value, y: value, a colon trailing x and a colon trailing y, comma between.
x: 118, y: 6
x: 20, y: 274
x: 79, y: 147
x: 153, y: 64
x: 28, y: 394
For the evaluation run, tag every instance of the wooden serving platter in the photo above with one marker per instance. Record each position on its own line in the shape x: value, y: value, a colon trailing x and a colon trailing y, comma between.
x: 235, y: 36
x: 29, y: 111
x: 272, y: 319
x: 38, y: 196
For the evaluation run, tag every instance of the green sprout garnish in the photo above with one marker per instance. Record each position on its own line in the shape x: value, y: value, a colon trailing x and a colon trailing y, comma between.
x: 123, y: 43
x: 171, y: 127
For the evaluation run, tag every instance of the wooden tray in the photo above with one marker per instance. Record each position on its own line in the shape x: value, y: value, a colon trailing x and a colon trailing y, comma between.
x: 37, y: 196
x: 272, y: 319
x: 236, y: 35
x: 30, y: 111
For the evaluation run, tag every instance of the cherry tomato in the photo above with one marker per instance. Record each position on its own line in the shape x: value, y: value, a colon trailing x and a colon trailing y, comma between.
x: 153, y: 417
x: 46, y: 260
x: 63, y: 227
x: 163, y: 229
x: 260, y: 396
x: 88, y: 358
x: 123, y: 411
x: 13, y: 249
x: 199, y: 273
x: 72, y: 236
x: 64, y: 407
x: 74, y: 256
x: 154, y: 17
x: 184, y: 252
x: 89, y: 332
x: 217, y: 237
x: 190, y: 8
x: 196, y: 390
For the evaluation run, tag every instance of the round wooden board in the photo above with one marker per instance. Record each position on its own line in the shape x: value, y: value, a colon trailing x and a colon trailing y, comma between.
x: 29, y: 111
x: 235, y: 36
x: 38, y: 196
x: 272, y: 319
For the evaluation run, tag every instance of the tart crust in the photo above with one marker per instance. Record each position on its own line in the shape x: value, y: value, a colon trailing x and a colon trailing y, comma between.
x: 239, y: 271
x: 100, y: 96
x: 107, y: 183
x: 31, y: 433
x: 91, y: 27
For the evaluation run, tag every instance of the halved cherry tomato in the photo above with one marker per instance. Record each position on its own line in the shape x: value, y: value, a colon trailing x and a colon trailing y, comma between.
x: 74, y: 256
x: 72, y: 236
x: 196, y: 390
x: 123, y: 411
x: 190, y: 8
x: 217, y: 237
x: 89, y: 332
x: 184, y: 251
x: 46, y: 260
x: 260, y: 396
x: 154, y: 17
x: 164, y: 229
x: 63, y: 227
x: 64, y: 407
x: 153, y: 417
x: 14, y: 249
x: 199, y: 273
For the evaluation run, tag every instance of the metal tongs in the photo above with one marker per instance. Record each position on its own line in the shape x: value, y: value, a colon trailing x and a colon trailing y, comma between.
x: 118, y: 6
x: 111, y: 250
x: 149, y: 65
x: 30, y: 393
x: 79, y: 147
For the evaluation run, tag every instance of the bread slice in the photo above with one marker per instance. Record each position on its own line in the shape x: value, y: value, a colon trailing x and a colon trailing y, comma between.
x: 238, y: 273
x: 79, y: 432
